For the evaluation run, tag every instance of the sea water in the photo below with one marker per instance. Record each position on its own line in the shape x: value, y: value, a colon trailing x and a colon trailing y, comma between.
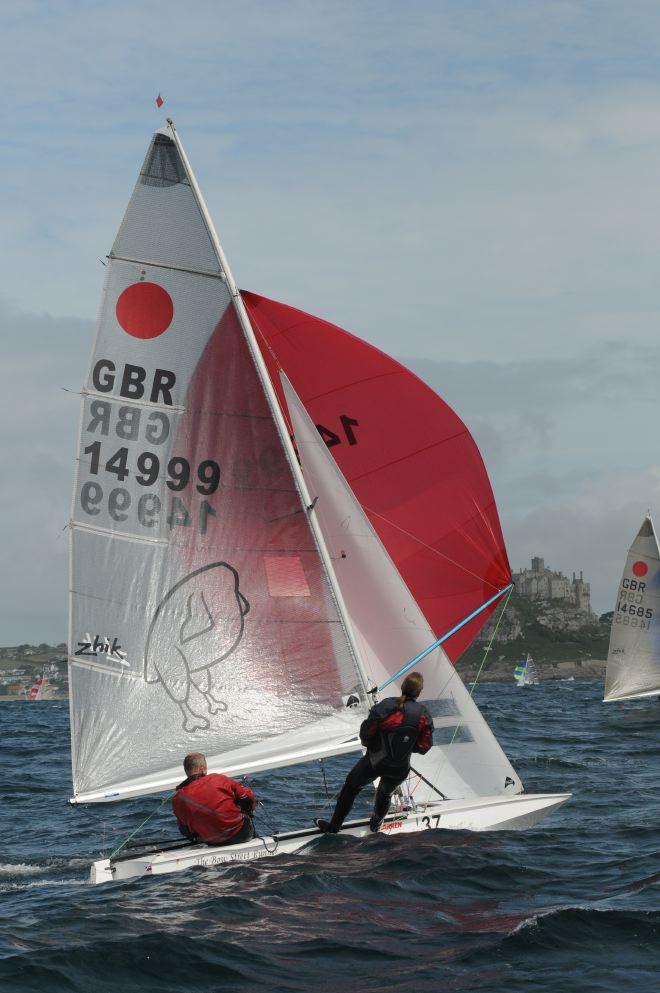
x: 571, y: 905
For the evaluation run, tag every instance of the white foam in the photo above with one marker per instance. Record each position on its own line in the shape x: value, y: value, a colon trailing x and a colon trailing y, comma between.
x: 40, y: 884
x: 21, y: 869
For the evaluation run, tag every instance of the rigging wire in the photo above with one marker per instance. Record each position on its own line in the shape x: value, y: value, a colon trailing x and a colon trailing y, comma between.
x: 141, y: 825
x: 325, y: 781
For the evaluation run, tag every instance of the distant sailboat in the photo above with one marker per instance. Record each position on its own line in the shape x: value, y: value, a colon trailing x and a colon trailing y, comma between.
x: 214, y: 575
x: 41, y: 689
x: 633, y: 660
x: 525, y: 673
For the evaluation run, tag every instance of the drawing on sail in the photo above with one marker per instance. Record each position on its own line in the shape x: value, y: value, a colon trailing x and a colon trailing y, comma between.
x: 211, y: 617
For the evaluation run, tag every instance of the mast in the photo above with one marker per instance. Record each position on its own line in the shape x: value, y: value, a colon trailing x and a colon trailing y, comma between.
x: 271, y: 397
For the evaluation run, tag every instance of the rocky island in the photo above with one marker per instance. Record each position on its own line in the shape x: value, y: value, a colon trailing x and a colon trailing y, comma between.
x: 548, y: 616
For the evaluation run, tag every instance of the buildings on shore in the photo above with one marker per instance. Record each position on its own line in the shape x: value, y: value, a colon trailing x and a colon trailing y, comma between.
x: 541, y: 583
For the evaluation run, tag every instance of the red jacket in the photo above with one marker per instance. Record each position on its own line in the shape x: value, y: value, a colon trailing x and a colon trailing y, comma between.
x: 212, y: 807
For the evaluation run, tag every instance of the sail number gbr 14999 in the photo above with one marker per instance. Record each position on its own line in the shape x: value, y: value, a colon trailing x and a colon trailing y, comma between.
x: 148, y: 507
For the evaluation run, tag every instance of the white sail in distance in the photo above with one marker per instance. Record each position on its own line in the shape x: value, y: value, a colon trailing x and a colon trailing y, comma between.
x: 202, y: 613
x: 390, y: 629
x: 633, y: 659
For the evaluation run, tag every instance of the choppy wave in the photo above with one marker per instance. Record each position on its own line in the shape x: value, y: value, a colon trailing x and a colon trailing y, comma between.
x: 572, y: 905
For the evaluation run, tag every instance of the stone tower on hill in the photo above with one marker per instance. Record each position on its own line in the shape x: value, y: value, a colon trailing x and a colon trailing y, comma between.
x: 541, y: 583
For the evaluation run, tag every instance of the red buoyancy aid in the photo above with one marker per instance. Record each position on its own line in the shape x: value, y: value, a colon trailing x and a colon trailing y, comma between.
x: 206, y: 806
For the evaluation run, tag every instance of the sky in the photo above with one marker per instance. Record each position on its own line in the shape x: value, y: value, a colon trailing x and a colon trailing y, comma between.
x: 470, y: 186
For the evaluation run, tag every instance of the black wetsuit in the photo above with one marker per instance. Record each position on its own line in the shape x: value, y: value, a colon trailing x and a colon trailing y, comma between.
x: 390, y: 736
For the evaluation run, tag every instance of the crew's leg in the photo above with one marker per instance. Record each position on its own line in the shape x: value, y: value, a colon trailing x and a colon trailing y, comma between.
x: 245, y: 833
x: 361, y: 774
x: 386, y: 787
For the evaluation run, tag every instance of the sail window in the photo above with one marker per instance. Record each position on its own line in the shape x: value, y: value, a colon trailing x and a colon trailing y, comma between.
x: 285, y: 576
x: 452, y: 734
x: 442, y: 708
x: 162, y: 166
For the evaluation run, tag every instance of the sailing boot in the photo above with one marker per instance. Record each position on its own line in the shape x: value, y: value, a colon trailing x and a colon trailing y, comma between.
x: 381, y: 806
x: 325, y: 827
x: 375, y: 823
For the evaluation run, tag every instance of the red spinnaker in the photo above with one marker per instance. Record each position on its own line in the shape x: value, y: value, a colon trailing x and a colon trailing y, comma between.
x: 411, y: 462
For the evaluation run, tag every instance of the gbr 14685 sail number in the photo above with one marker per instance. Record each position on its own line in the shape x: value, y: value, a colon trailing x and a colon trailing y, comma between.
x: 629, y: 609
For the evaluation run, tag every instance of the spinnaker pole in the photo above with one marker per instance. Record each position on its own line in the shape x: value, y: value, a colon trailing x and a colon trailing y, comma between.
x: 445, y: 637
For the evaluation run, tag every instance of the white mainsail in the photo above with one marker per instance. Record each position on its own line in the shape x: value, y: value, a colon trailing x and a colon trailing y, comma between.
x: 633, y: 660
x: 390, y: 630
x: 203, y: 615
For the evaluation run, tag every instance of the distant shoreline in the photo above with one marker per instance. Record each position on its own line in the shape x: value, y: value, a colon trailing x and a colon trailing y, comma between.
x: 502, y: 672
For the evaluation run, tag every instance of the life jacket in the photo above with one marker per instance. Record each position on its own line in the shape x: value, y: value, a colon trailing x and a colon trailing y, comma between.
x: 398, y: 745
x: 392, y: 735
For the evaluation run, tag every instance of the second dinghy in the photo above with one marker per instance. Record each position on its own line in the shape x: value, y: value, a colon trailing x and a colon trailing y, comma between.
x: 525, y: 673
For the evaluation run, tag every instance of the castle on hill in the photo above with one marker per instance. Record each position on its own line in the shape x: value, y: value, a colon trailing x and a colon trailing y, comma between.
x: 541, y: 583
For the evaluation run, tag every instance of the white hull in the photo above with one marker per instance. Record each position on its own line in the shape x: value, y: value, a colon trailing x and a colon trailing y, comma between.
x: 501, y: 813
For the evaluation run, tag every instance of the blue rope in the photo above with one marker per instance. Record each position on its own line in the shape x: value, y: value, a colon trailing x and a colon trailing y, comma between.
x: 440, y: 641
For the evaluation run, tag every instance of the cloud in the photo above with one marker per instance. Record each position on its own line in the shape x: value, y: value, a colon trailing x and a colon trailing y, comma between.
x: 43, y: 357
x: 477, y: 179
x: 568, y: 447
x: 471, y: 184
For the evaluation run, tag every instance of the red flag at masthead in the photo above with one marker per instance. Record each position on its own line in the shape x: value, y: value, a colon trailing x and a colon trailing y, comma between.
x: 159, y: 101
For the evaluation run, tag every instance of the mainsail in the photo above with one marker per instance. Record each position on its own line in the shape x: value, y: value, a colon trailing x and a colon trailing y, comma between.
x: 203, y: 614
x: 409, y: 459
x: 633, y: 660
x: 390, y: 629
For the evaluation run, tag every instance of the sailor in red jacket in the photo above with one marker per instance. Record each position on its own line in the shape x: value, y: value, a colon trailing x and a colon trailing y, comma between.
x: 395, y: 728
x: 211, y: 807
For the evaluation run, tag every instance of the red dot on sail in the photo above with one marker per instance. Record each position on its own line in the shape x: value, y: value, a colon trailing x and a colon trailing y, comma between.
x: 145, y: 310
x: 640, y: 568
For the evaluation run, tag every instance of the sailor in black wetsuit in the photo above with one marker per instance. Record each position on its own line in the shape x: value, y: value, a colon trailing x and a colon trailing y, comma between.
x: 395, y: 728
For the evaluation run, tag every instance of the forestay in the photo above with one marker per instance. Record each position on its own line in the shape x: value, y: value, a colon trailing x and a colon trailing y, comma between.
x: 390, y: 629
x: 633, y: 660
x: 202, y: 614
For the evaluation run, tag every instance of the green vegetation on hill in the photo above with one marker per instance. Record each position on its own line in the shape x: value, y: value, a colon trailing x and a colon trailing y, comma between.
x: 550, y: 633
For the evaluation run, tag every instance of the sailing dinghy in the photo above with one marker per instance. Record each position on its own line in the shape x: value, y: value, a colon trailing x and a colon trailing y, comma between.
x: 232, y: 594
x: 525, y: 673
x: 633, y: 659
